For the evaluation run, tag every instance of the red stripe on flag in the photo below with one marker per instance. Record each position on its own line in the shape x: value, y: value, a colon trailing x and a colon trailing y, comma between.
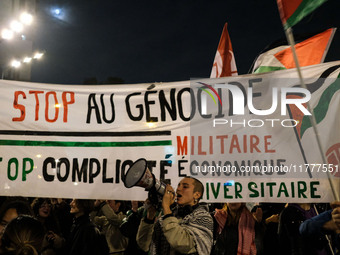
x: 310, y: 51
x: 287, y: 8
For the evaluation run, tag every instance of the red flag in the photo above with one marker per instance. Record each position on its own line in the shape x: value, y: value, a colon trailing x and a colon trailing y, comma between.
x: 224, y: 63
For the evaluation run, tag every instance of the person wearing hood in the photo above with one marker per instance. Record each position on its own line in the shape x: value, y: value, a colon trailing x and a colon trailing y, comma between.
x: 186, y: 228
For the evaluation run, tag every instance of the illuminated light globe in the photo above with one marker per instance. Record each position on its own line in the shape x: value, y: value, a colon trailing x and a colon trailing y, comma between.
x: 15, y: 63
x: 16, y: 26
x: 38, y: 55
x: 26, y: 18
x: 27, y: 60
x: 6, y: 34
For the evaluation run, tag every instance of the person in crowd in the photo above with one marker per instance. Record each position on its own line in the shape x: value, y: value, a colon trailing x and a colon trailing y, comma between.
x: 84, y: 237
x: 270, y: 240
x: 235, y: 230
x: 129, y: 228
x: 53, y: 241
x: 23, y: 235
x: 290, y: 239
x: 326, y: 223
x: 11, y: 209
x: 185, y: 229
x: 109, y: 223
x: 336, y: 214
x: 61, y: 211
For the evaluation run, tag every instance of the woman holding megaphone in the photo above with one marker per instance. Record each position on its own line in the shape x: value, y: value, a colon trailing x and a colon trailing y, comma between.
x: 185, y: 227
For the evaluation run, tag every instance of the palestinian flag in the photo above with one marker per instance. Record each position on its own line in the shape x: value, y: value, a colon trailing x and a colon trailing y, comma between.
x: 310, y: 51
x: 224, y: 62
x: 324, y: 105
x: 292, y: 11
x: 321, y: 107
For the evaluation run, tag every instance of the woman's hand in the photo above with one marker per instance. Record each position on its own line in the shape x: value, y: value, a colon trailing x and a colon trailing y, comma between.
x: 168, y: 199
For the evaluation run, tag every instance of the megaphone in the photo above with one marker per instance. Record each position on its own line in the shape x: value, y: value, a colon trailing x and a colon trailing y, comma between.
x: 139, y: 175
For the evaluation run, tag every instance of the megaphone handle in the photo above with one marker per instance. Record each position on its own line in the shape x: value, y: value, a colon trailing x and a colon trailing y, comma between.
x: 153, y: 196
x: 153, y: 182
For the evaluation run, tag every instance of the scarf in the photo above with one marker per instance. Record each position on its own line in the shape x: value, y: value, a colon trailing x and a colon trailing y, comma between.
x: 198, y: 224
x: 246, y: 230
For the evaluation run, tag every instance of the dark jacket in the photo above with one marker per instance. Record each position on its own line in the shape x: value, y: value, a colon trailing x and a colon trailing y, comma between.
x: 85, y: 238
x: 313, y: 228
x: 291, y: 241
x: 129, y: 228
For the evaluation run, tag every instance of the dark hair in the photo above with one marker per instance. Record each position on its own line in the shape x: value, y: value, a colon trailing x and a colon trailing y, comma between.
x: 85, y: 205
x: 37, y: 202
x: 198, y: 186
x: 21, y: 206
x: 51, y: 223
x: 24, y: 235
x: 234, y: 220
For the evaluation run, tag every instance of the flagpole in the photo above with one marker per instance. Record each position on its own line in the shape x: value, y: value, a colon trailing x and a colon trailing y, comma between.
x: 290, y: 39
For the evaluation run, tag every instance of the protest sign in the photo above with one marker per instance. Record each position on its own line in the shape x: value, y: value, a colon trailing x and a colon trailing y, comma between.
x: 249, y: 141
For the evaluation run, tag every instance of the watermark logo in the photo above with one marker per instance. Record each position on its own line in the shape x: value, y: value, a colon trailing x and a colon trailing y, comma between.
x: 239, y: 99
x: 204, y: 98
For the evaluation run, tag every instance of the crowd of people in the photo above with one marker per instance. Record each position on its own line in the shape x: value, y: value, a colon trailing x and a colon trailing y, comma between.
x: 178, y: 224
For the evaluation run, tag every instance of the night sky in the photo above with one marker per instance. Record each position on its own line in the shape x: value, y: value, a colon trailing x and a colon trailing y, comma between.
x: 158, y: 40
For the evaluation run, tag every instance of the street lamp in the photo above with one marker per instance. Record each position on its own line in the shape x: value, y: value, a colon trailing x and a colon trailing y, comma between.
x: 7, y: 34
x: 15, y: 63
x: 16, y: 26
x: 38, y: 55
x: 27, y: 60
x: 26, y: 18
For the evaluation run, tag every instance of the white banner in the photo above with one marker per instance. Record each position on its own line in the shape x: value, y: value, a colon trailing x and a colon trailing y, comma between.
x: 78, y: 141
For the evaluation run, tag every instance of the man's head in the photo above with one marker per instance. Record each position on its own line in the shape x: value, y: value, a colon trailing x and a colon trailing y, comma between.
x: 189, y: 191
